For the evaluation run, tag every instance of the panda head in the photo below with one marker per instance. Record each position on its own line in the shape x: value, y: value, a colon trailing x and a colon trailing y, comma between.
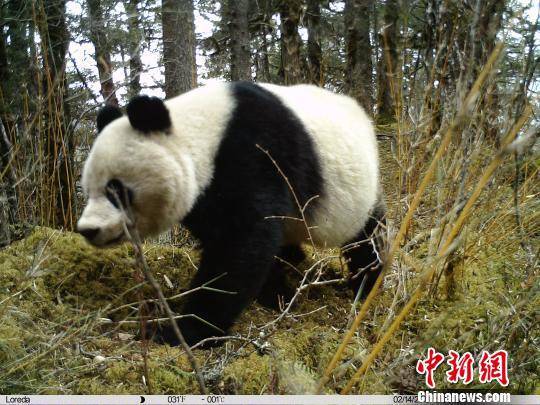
x: 133, y: 167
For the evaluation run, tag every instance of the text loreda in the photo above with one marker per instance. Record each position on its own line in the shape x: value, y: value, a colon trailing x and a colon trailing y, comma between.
x: 19, y: 399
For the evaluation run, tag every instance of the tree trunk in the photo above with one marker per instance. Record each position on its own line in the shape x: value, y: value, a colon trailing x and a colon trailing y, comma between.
x: 489, y: 24
x: 33, y: 68
x: 7, y: 193
x: 262, y: 64
x: 178, y: 46
x: 57, y: 190
x: 135, y: 39
x: 313, y: 18
x: 102, y: 52
x: 290, y: 13
x: 358, y: 75
x: 237, y: 14
x: 8, y: 197
x: 388, y: 62
x: 17, y: 54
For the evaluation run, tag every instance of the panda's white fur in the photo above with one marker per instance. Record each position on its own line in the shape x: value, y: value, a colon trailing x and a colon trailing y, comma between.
x: 170, y: 171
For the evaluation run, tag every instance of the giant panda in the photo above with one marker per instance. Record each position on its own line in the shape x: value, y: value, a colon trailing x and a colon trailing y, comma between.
x: 233, y: 162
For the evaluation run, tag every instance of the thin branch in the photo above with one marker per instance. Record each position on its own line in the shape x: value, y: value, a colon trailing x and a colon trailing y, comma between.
x: 180, y: 295
x: 133, y: 236
x: 301, y: 208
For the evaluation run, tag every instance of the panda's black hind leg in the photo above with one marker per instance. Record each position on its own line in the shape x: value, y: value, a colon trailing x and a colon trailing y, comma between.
x: 276, y: 287
x: 365, y: 253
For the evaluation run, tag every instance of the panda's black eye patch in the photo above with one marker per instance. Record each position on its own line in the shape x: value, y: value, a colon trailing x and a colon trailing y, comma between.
x: 118, y: 194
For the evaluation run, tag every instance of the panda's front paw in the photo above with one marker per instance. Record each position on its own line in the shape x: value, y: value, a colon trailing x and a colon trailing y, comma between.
x: 165, y: 335
x: 162, y: 334
x: 194, y: 335
x: 192, y: 332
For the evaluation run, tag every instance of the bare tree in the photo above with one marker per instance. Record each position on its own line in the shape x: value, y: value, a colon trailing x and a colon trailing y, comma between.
x: 262, y: 62
x: 178, y: 46
x: 237, y: 13
x: 291, y: 43
x: 8, y: 198
x: 388, y: 60
x: 358, y: 73
x: 16, y: 15
x: 489, y: 24
x: 57, y: 190
x: 135, y: 39
x: 102, y: 51
x: 313, y: 18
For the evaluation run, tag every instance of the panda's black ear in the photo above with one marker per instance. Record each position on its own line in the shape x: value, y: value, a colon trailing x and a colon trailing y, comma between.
x: 106, y: 115
x: 148, y: 114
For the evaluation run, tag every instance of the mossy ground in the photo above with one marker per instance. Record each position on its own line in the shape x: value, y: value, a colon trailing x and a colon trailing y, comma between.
x: 61, y: 302
x: 56, y: 289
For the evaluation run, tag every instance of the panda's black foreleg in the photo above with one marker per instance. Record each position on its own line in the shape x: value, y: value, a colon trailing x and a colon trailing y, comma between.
x: 242, y: 266
x: 276, y: 286
x: 365, y: 254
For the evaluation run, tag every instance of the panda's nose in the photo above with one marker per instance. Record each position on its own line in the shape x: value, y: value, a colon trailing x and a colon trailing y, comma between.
x: 88, y: 233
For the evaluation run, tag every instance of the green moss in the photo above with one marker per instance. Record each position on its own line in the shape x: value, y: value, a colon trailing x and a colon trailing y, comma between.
x: 54, y: 289
x: 250, y: 375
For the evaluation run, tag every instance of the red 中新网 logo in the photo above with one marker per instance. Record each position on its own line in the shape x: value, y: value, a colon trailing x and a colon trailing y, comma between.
x: 491, y: 367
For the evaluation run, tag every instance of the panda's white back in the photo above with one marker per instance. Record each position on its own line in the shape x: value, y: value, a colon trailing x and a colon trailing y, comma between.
x: 347, y: 148
x: 344, y: 141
